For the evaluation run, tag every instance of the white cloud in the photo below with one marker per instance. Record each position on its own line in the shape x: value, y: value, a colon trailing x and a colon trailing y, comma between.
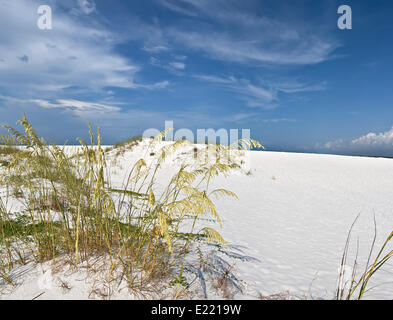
x: 384, y: 139
x: 174, y: 67
x: 278, y: 120
x: 179, y: 9
x: 81, y: 109
x: 87, y: 6
x: 369, y: 144
x: 239, y: 117
x: 216, y: 79
x: 76, y: 53
x: 151, y: 48
x: 107, y: 115
x: 229, y: 47
x: 158, y: 85
x: 332, y: 145
x: 178, y: 65
x: 251, y: 39
x: 76, y: 104
x: 264, y: 94
x: 180, y: 57
x: 255, y: 95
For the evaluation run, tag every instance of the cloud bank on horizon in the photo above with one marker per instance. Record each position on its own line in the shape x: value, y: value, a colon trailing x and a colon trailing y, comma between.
x: 285, y: 71
x: 379, y: 144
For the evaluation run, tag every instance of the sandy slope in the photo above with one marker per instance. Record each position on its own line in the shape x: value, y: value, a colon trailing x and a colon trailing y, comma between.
x: 293, y: 215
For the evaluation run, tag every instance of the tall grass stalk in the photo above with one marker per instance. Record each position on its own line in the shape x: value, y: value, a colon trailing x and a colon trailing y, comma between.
x: 72, y: 209
x: 358, y: 287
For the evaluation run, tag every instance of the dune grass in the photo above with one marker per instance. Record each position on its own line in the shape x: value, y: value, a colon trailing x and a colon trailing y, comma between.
x: 127, y: 144
x: 358, y: 285
x: 71, y: 209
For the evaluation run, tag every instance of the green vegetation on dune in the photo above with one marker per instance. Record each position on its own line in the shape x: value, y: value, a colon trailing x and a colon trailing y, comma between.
x: 70, y: 209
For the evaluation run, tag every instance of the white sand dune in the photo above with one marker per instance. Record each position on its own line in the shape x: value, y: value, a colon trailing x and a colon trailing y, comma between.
x: 293, y: 216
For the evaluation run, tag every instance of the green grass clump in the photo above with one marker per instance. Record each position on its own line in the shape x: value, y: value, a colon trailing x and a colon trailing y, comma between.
x: 7, y: 145
x: 131, y: 141
x: 72, y: 210
x: 358, y: 286
x: 126, y: 144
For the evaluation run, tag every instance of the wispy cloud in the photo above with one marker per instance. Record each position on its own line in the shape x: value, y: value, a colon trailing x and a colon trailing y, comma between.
x: 152, y: 48
x: 87, y: 6
x: 264, y: 94
x: 182, y: 9
x: 227, y: 47
x: 174, y: 67
x: 100, y: 64
x: 256, y: 96
x: 241, y: 117
x: 178, y: 65
x: 79, y: 108
x: 251, y: 38
x: 74, y: 54
x: 278, y: 120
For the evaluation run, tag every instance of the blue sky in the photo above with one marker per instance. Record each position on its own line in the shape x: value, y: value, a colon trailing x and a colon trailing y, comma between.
x: 282, y: 69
